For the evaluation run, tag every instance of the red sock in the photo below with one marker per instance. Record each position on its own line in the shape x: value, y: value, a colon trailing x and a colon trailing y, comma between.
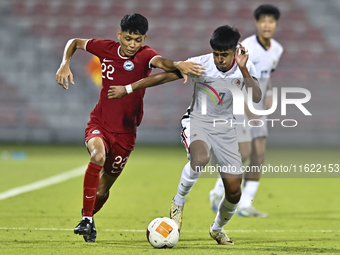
x: 91, y: 182
x: 98, y: 204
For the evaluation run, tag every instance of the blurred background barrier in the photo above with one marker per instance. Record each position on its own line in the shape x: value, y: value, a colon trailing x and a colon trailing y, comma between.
x: 33, y: 33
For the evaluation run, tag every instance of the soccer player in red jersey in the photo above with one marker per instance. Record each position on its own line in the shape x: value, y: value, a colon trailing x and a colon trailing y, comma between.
x: 111, y: 131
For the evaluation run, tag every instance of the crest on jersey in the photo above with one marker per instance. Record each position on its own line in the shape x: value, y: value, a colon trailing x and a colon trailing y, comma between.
x: 96, y: 132
x: 128, y: 65
x: 236, y: 82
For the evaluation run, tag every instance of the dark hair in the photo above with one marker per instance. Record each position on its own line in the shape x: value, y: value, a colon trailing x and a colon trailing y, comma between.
x: 267, y: 9
x: 134, y: 23
x: 224, y: 38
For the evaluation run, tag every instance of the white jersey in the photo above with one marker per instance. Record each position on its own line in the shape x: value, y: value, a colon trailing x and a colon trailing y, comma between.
x: 210, y: 89
x: 213, y: 99
x: 265, y: 62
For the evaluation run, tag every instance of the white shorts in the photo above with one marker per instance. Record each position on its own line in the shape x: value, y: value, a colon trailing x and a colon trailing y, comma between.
x: 260, y: 131
x: 243, y: 130
x: 224, y: 150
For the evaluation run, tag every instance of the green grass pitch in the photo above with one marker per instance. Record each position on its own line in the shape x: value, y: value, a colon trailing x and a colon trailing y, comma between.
x: 304, y: 213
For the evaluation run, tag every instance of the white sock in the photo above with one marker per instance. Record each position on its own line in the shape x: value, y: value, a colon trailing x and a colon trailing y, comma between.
x: 226, y: 210
x: 219, y: 187
x: 179, y: 200
x: 90, y: 218
x: 248, y: 193
x: 215, y: 227
x: 188, y: 179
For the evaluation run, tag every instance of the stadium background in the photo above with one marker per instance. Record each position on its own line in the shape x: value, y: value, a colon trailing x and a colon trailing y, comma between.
x: 33, y: 33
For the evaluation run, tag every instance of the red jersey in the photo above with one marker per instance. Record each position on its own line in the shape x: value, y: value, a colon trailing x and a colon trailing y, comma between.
x: 125, y: 114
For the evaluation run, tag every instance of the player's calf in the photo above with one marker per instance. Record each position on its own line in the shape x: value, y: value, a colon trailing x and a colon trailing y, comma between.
x: 232, y: 187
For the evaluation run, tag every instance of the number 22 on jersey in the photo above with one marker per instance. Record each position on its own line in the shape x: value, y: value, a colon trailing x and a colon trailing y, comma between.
x: 109, y: 69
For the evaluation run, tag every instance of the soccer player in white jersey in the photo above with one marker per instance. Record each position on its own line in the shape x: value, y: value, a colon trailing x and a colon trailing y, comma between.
x: 265, y: 53
x: 227, y: 69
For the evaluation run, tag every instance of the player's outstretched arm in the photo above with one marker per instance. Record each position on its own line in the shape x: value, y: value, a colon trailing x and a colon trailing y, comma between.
x: 116, y: 92
x: 241, y: 57
x: 184, y: 67
x: 64, y: 71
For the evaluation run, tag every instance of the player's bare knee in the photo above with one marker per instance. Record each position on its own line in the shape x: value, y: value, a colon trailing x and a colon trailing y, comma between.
x: 233, y: 197
x: 199, y: 162
x: 97, y: 158
x: 101, y: 194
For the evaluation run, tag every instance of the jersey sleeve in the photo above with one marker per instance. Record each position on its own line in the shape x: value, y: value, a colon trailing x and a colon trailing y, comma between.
x: 98, y: 47
x: 149, y: 55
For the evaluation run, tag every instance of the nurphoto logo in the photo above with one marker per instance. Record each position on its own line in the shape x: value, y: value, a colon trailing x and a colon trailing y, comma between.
x: 238, y: 105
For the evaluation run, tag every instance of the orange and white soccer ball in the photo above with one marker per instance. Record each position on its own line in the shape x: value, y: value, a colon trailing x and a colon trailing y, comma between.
x: 162, y: 233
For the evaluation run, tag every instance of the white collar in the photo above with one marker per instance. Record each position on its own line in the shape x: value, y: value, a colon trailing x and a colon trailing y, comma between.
x: 231, y: 69
x: 121, y: 55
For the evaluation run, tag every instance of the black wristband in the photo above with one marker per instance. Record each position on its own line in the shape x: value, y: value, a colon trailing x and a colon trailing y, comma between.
x: 178, y: 73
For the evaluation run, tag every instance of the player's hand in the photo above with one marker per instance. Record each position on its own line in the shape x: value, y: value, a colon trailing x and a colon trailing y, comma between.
x: 189, y: 68
x: 116, y: 92
x: 241, y: 56
x: 268, y: 102
x: 63, y: 74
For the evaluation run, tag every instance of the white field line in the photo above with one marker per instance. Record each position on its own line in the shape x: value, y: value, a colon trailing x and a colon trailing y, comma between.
x: 44, y: 182
x: 229, y: 231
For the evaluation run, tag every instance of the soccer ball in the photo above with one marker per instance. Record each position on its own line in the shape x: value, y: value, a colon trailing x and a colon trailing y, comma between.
x: 162, y: 233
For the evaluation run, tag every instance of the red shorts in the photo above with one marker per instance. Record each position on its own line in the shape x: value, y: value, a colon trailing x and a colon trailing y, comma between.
x: 118, y: 147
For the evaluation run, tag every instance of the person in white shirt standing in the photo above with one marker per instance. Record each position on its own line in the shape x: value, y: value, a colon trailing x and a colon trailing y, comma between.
x: 265, y: 53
